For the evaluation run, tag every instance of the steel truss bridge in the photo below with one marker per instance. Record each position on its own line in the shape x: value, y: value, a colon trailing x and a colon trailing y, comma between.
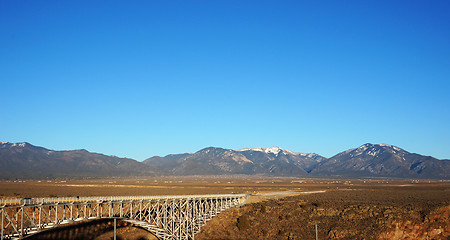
x: 167, y: 217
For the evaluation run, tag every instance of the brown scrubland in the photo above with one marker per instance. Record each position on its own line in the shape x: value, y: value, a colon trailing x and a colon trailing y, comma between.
x: 282, y: 208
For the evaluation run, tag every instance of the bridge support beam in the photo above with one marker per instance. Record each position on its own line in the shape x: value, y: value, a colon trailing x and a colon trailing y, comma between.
x: 168, y: 217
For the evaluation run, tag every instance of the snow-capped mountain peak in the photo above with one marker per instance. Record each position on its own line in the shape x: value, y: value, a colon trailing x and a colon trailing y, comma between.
x: 19, y: 144
x: 251, y: 149
x: 384, y: 145
x: 375, y: 150
x: 10, y: 145
x: 274, y: 150
x: 381, y: 145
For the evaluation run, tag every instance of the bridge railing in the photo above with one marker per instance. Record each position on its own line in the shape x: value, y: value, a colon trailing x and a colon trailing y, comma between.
x: 168, y: 214
x: 38, y: 201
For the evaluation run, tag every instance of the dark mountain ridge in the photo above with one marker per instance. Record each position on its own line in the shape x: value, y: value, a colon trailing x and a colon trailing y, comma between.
x: 269, y: 161
x: 23, y: 160
x: 368, y: 160
x: 383, y: 160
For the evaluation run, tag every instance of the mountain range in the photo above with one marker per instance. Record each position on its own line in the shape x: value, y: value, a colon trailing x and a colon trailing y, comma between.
x: 368, y: 160
x: 23, y: 160
x: 212, y: 160
x: 383, y: 160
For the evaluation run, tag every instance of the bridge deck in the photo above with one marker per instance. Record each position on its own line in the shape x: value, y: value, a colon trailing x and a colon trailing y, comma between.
x: 38, y: 201
x: 168, y: 217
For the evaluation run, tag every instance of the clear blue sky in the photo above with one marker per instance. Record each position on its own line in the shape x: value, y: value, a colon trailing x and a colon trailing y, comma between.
x: 143, y: 78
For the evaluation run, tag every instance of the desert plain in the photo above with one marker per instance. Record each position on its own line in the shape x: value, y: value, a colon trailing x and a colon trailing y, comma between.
x: 279, y: 207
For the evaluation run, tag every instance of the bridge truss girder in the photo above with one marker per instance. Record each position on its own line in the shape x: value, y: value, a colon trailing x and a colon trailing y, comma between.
x: 170, y: 217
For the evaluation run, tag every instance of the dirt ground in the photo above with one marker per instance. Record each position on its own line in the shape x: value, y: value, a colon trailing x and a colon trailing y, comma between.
x: 183, y: 186
x: 375, y: 212
x: 282, y: 208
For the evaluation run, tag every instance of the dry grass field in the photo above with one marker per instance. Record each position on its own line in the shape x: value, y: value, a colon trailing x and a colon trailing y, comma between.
x: 284, y: 208
x: 192, y: 185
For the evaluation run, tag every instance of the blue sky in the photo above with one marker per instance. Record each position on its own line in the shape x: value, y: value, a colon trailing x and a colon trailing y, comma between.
x: 143, y: 78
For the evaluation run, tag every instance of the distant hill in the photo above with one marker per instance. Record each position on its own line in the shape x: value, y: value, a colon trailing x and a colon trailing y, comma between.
x: 211, y: 160
x: 368, y: 160
x: 23, y: 160
x: 382, y: 160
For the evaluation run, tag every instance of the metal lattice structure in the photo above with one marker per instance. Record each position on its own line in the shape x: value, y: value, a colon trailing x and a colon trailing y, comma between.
x: 167, y: 217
